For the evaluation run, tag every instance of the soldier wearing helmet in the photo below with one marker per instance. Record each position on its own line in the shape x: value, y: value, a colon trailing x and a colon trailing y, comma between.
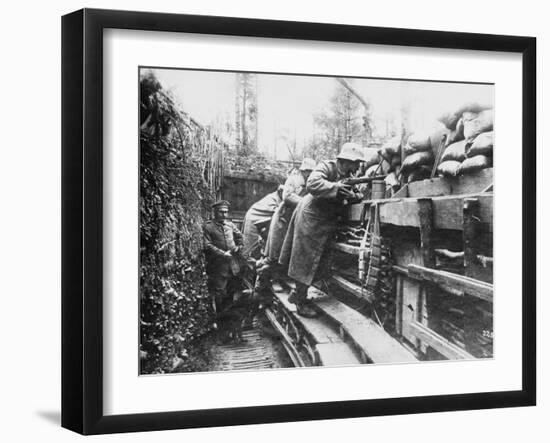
x: 293, y: 191
x: 314, y: 222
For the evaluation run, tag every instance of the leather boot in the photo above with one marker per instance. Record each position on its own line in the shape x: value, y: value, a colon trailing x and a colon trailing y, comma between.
x: 307, y: 310
x: 304, y: 307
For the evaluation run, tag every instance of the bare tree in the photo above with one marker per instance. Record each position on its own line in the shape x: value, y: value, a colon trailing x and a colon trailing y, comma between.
x: 347, y: 119
x: 246, y: 113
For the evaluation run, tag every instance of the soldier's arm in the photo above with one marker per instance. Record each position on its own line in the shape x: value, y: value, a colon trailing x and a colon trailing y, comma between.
x: 208, y: 245
x: 318, y: 184
x: 292, y: 189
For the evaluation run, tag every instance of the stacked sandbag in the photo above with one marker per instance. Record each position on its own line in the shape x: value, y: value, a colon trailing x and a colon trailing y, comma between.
x: 475, y: 163
x: 419, y: 157
x: 391, y: 148
x: 469, y: 142
x: 482, y: 145
x: 395, y: 165
x: 380, y: 168
x: 456, y: 121
x: 477, y: 123
x: 479, y: 142
x: 451, y: 119
x: 452, y: 158
x: 374, y: 164
x: 417, y: 142
x: 371, y: 157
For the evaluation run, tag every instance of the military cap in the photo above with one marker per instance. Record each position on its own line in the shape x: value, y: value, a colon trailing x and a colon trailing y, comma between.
x: 220, y: 203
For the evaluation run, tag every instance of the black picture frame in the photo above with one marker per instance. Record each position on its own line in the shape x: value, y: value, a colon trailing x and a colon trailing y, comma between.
x: 82, y: 215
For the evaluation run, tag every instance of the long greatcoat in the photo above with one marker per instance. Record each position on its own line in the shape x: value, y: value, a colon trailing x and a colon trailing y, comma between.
x: 313, y: 224
x: 293, y: 191
x: 256, y: 217
x: 220, y: 237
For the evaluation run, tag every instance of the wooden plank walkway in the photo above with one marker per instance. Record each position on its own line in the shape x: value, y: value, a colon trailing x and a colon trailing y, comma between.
x: 369, y: 338
x: 330, y: 346
x: 253, y: 354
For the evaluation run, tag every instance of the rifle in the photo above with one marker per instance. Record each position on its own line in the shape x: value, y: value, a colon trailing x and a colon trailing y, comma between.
x: 352, y: 181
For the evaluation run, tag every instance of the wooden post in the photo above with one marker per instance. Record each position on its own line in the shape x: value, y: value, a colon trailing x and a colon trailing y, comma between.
x: 425, y: 219
x: 425, y: 222
x: 476, y: 330
x: 470, y: 213
x: 398, y: 304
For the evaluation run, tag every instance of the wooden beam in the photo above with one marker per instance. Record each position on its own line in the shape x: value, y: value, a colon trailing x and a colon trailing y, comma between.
x: 447, y: 211
x: 346, y: 85
x: 435, y: 187
x: 352, y: 288
x: 403, y: 192
x: 470, y: 210
x: 475, y: 182
x: 451, y: 255
x: 475, y: 288
x: 348, y: 249
x: 425, y: 222
x: 398, y: 281
x: 440, y: 344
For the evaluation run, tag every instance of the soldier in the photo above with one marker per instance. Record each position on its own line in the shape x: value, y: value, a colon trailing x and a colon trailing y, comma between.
x: 256, y: 222
x: 293, y: 191
x: 314, y: 222
x: 222, y: 242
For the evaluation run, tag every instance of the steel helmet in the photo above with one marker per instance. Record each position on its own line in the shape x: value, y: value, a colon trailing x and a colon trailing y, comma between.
x: 308, y: 164
x: 351, y: 151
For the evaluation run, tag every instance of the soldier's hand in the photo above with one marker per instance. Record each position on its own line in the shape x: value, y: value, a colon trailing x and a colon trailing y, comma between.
x: 227, y: 254
x: 345, y: 191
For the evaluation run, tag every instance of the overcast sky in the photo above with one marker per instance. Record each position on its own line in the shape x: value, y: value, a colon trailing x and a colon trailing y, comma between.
x: 288, y: 103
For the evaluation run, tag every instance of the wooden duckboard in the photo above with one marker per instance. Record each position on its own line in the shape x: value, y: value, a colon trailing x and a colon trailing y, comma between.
x: 315, y: 327
x: 336, y: 354
x: 369, y: 337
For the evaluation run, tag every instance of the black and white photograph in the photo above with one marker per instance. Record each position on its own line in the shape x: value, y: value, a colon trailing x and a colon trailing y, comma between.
x: 291, y: 221
x: 273, y: 222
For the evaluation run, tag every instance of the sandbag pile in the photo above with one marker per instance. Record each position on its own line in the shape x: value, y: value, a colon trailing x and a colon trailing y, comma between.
x: 469, y: 142
x: 419, y: 157
x: 382, y: 161
x: 390, y: 155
